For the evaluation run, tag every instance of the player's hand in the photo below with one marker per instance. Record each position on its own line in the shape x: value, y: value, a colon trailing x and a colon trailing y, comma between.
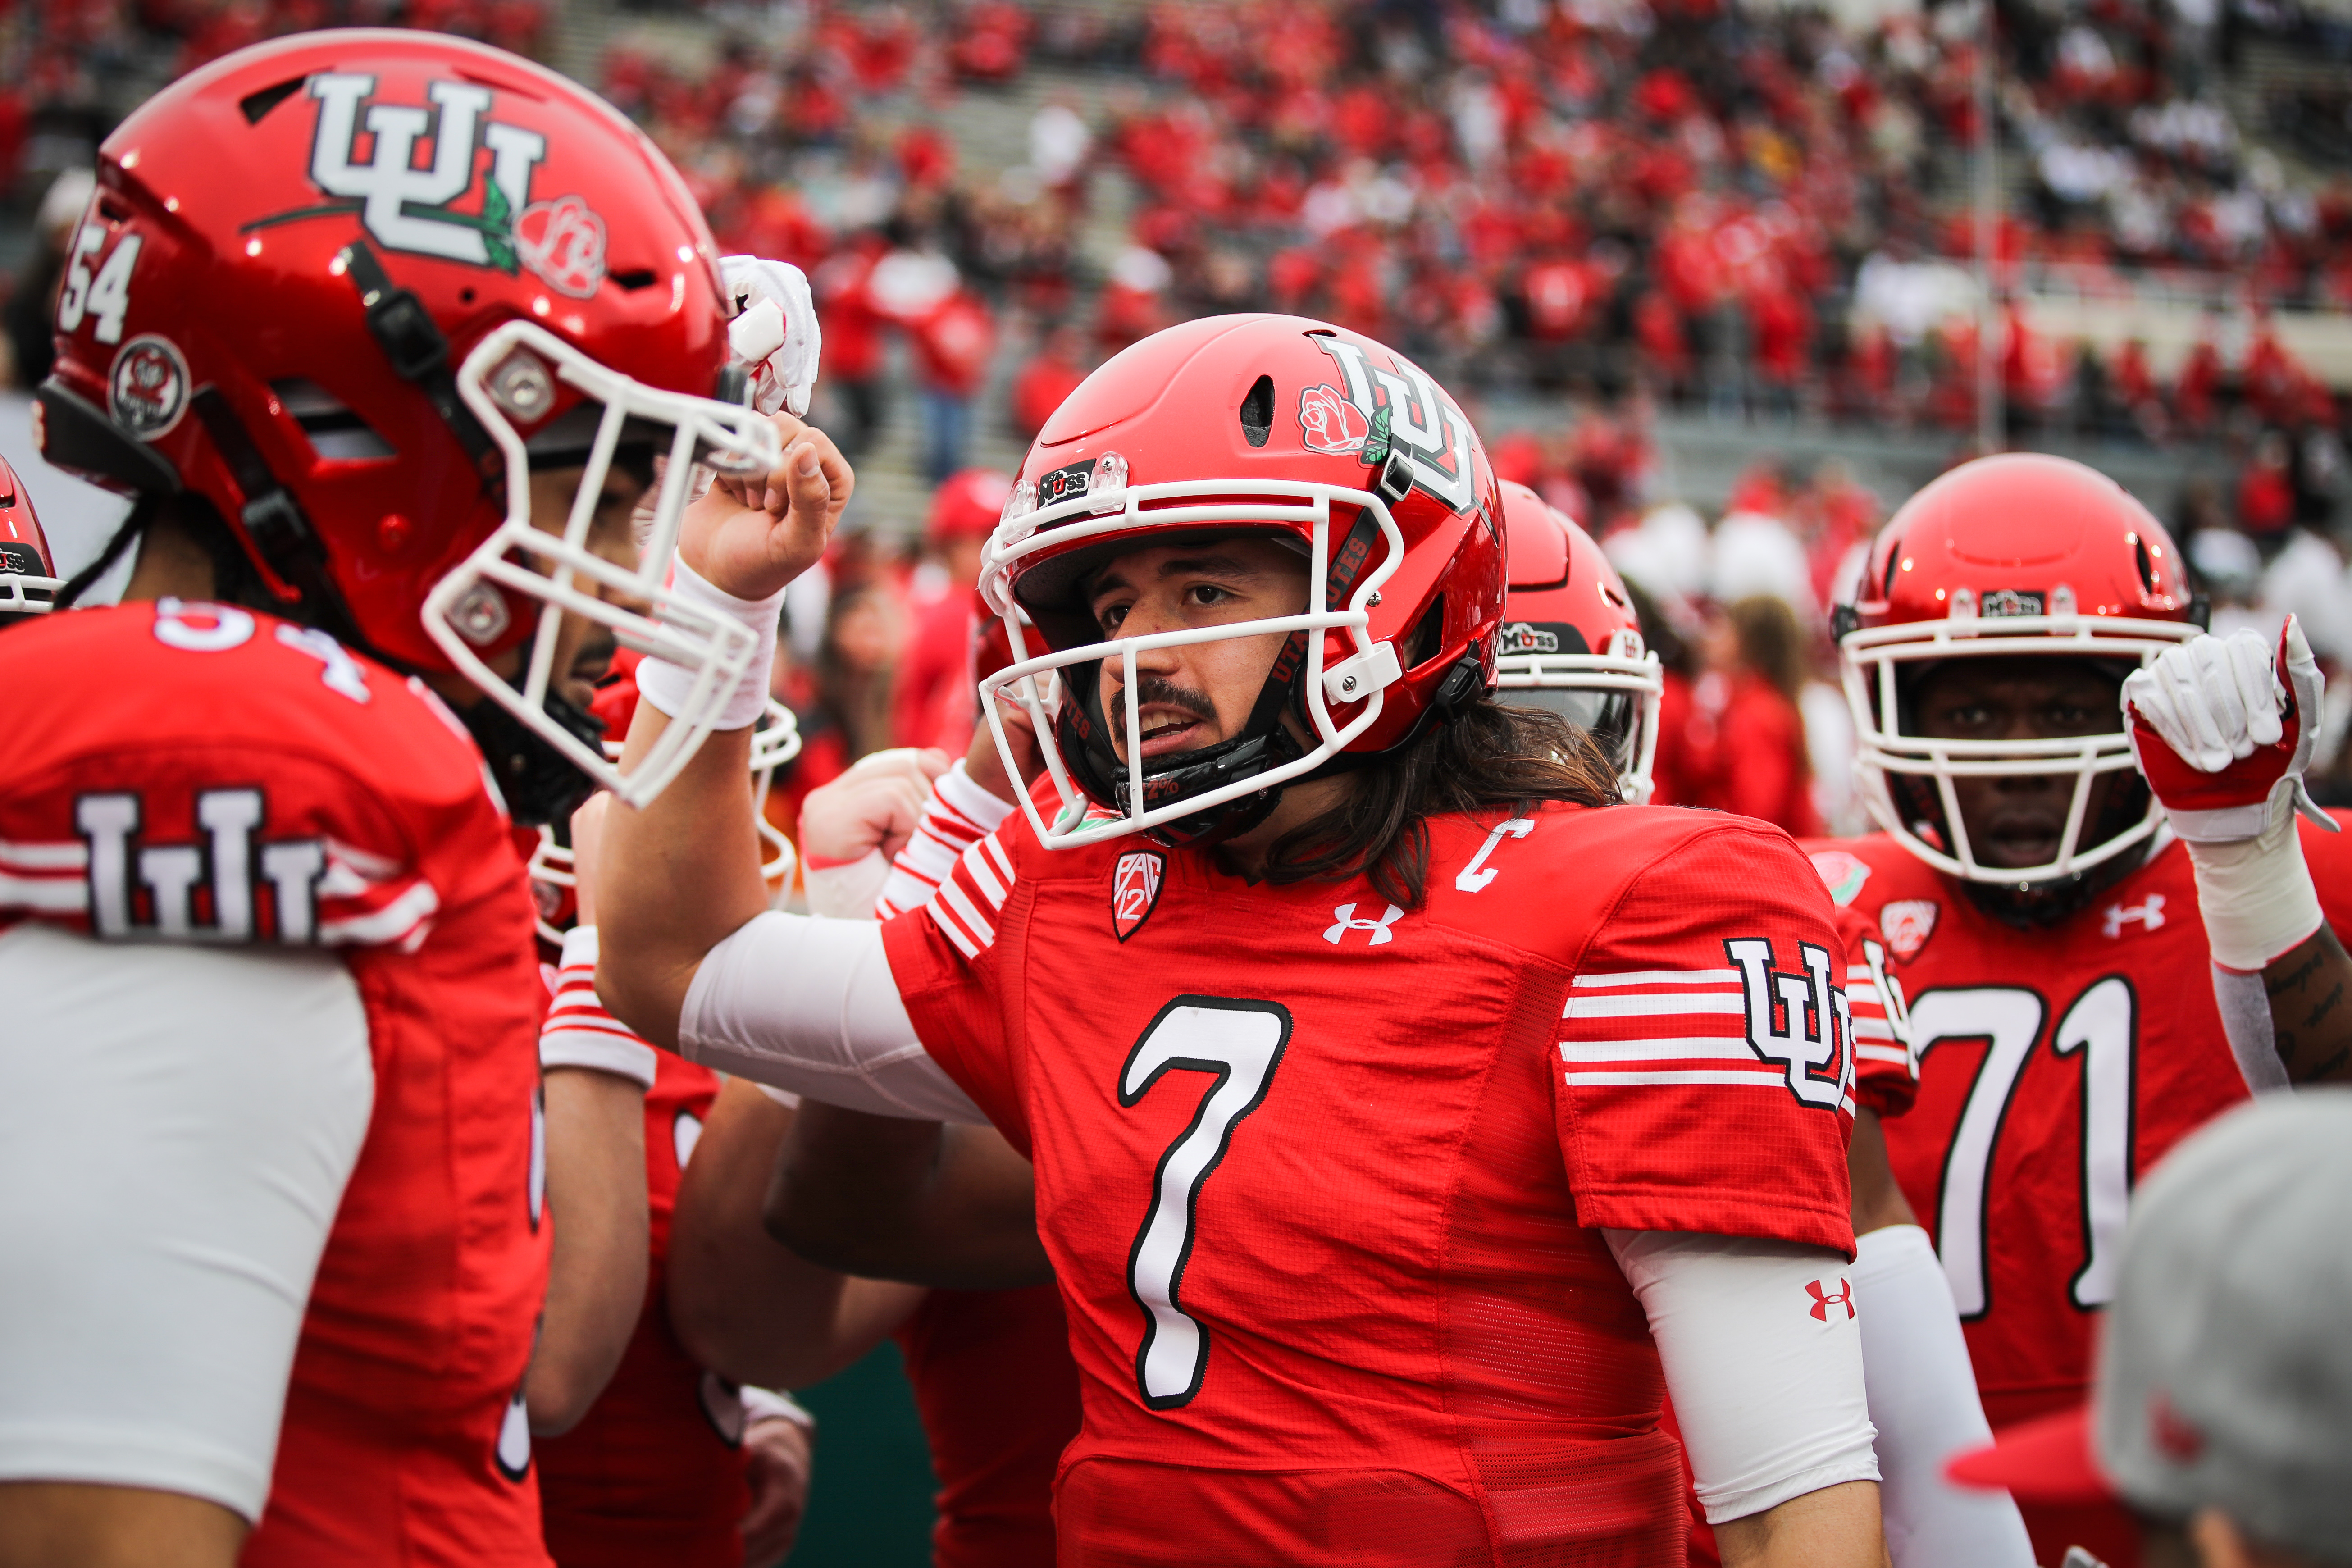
x: 984, y: 760
x: 587, y: 843
x: 2219, y: 737
x: 778, y: 1453
x: 750, y: 535
x: 874, y: 806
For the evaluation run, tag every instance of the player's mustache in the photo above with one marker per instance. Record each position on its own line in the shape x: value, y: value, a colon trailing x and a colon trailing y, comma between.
x: 1151, y: 688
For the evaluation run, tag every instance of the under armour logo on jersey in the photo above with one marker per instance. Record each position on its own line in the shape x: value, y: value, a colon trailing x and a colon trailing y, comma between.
x: 1347, y: 921
x: 2148, y: 915
x: 1824, y: 1298
x: 1813, y: 1038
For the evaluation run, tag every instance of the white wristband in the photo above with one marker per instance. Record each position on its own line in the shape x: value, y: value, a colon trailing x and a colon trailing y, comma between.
x: 666, y: 685
x: 2256, y: 894
x: 579, y: 1032
x: 767, y: 1405
x: 846, y: 892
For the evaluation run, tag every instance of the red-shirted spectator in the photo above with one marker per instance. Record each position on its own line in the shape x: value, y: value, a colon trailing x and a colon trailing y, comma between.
x: 2266, y: 488
x: 1748, y: 755
x: 952, y: 345
x: 934, y: 705
x: 1052, y: 375
x: 852, y: 357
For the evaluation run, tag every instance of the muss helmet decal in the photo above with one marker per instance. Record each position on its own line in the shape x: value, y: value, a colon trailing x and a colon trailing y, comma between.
x: 1376, y: 410
x: 405, y: 207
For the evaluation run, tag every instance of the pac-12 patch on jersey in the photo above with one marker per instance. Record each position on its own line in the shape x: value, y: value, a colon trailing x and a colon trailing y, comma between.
x: 1135, y: 891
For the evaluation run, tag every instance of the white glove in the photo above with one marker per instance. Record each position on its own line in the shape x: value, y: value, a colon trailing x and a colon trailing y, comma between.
x: 2224, y: 750
x: 774, y: 334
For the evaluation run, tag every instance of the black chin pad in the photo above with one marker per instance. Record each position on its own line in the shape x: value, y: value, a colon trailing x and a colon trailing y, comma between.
x: 541, y: 785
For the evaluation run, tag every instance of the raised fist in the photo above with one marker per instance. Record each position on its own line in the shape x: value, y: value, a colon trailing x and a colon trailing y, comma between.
x: 2220, y: 738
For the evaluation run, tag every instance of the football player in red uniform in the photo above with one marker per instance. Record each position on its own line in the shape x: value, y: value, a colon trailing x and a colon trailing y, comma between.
x: 356, y: 317
x: 1475, y: 1166
x: 2049, y: 934
x: 28, y: 584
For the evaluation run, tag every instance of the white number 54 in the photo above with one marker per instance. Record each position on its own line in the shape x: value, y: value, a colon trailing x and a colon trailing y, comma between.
x: 105, y: 298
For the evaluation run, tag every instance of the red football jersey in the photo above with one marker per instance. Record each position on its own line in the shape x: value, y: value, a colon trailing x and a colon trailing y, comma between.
x: 1322, y: 1179
x: 999, y: 1397
x: 207, y: 774
x: 654, y: 1472
x: 2057, y: 1067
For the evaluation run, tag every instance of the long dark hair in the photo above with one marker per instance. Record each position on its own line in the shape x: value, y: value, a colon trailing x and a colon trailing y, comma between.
x: 1489, y: 758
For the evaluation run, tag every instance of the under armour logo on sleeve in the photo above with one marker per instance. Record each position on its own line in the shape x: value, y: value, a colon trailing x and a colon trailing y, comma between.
x: 1347, y: 920
x: 1824, y: 1299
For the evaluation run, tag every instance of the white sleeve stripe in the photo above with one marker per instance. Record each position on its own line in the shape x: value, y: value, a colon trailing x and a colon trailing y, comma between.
x: 952, y: 895
x: 50, y: 895
x: 954, y: 933
x: 1661, y: 978
x: 1895, y: 1054
x: 1656, y: 1006
x: 66, y: 856
x: 1726, y: 1049
x: 399, y: 919
x: 1769, y: 1077
x: 1004, y: 861
x: 1869, y: 1028
x: 983, y: 877
x: 1858, y: 991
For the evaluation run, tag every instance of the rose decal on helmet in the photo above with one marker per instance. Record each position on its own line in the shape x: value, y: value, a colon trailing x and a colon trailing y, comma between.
x: 564, y: 242
x: 1328, y: 422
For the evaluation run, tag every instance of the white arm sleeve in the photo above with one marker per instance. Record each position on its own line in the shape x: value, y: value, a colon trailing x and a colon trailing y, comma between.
x: 810, y: 1005
x: 1762, y: 1359
x: 176, y: 1127
x: 1923, y: 1399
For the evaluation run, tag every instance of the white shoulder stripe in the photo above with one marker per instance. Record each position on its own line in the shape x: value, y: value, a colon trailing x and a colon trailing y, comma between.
x: 1656, y: 1006
x: 1004, y: 861
x: 967, y: 913
x: 983, y: 877
x: 1769, y: 1077
x: 1678, y: 1049
x: 51, y: 895
x: 953, y: 932
x: 1661, y: 978
x: 70, y: 856
x: 397, y: 920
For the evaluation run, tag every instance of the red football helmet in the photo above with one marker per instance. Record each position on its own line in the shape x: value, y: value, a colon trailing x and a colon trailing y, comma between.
x: 29, y: 585
x: 351, y: 288
x: 1260, y: 424
x: 2003, y: 556
x: 967, y: 505
x: 1570, y: 642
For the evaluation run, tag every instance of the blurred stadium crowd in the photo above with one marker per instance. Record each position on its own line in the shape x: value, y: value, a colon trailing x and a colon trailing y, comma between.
x: 1620, y: 208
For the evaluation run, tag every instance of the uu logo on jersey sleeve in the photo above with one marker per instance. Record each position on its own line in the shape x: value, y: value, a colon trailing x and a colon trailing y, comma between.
x: 406, y: 207
x: 1135, y: 891
x: 1379, y: 412
x: 1812, y: 1037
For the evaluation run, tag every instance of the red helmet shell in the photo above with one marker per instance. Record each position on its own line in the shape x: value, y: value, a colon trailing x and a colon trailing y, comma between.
x: 967, y: 504
x: 488, y: 187
x: 24, y: 550
x: 2021, y: 534
x: 1558, y: 578
x: 1287, y: 400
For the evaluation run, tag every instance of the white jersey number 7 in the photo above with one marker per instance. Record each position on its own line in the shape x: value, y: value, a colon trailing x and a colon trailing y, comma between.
x: 1240, y: 1043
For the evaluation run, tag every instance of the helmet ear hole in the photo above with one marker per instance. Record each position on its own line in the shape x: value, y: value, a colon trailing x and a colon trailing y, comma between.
x: 1257, y: 412
x: 2147, y: 568
x: 1427, y: 635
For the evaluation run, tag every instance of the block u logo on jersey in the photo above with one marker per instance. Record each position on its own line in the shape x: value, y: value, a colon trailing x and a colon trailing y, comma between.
x: 1801, y: 1021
